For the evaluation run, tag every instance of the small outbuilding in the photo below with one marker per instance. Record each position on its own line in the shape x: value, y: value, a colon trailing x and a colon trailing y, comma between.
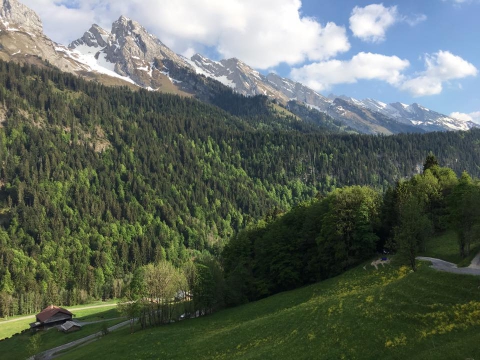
x: 70, y: 326
x: 50, y: 317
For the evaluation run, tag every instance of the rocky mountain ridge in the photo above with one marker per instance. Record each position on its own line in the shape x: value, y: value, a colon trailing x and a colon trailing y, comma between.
x: 414, y: 114
x: 129, y: 54
x: 12, y: 11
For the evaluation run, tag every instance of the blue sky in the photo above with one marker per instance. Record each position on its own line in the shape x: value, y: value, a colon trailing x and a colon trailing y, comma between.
x: 423, y: 51
x: 449, y: 26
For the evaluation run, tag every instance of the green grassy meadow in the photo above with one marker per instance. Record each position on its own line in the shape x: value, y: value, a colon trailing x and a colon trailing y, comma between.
x: 8, y: 328
x: 16, y: 347
x: 391, y: 313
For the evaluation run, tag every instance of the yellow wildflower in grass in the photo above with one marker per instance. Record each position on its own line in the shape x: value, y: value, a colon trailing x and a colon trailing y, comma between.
x: 397, y: 341
x: 459, y: 316
x: 242, y: 349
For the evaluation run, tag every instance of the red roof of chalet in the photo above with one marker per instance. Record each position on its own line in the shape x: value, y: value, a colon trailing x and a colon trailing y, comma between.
x: 50, y: 311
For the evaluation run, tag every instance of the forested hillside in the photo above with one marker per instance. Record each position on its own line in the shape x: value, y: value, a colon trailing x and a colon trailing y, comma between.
x: 329, y: 235
x: 98, y: 181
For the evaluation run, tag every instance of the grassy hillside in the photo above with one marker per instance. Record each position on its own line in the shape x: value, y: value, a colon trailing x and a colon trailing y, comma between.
x: 390, y: 313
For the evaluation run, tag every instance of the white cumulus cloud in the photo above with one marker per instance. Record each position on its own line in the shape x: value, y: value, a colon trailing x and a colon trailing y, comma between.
x: 474, y: 116
x: 441, y: 67
x: 263, y: 33
x: 363, y: 66
x: 372, y: 22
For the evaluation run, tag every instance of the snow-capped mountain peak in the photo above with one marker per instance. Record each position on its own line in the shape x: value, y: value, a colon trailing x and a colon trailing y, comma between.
x: 415, y: 114
x: 128, y: 50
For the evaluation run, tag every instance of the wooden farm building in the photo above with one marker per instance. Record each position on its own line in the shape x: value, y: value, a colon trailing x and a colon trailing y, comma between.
x: 70, y: 326
x: 50, y: 317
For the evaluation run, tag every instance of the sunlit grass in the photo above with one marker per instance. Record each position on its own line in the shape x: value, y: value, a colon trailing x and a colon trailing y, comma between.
x: 8, y: 329
x: 391, y: 313
x: 16, y: 347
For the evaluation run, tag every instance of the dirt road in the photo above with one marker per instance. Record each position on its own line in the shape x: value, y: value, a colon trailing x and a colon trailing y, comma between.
x: 52, y: 353
x: 441, y: 265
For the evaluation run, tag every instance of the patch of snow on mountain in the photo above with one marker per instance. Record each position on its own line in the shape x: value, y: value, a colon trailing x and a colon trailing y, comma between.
x: 86, y: 50
x: 225, y: 81
x: 101, y: 66
x: 454, y: 124
x: 356, y: 102
x: 197, y: 69
x: 314, y: 107
x: 374, y: 104
x: 151, y: 70
x: 148, y: 69
x: 381, y: 107
x: 7, y: 26
x: 172, y: 80
x: 103, y: 63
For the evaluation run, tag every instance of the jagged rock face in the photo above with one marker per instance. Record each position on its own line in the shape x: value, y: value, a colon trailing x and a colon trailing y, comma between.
x: 237, y: 75
x: 95, y: 37
x: 130, y: 47
x: 19, y: 14
x: 299, y: 92
x: 22, y: 39
x: 249, y: 82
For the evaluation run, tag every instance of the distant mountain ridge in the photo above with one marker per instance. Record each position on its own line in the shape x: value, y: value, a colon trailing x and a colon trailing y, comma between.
x: 129, y: 54
x: 415, y: 114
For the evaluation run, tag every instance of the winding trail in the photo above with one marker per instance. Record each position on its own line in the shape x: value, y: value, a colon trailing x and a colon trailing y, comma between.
x: 441, y: 265
x: 52, y: 353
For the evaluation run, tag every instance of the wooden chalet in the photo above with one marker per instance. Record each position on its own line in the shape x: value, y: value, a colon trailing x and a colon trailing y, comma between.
x: 50, y: 317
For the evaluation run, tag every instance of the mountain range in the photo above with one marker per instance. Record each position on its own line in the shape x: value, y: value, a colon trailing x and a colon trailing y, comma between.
x: 129, y: 55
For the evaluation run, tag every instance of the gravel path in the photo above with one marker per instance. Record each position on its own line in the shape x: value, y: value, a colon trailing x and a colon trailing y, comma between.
x: 52, y: 353
x: 441, y: 265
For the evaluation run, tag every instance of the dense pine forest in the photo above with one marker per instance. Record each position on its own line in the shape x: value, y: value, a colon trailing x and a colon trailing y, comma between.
x: 98, y: 182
